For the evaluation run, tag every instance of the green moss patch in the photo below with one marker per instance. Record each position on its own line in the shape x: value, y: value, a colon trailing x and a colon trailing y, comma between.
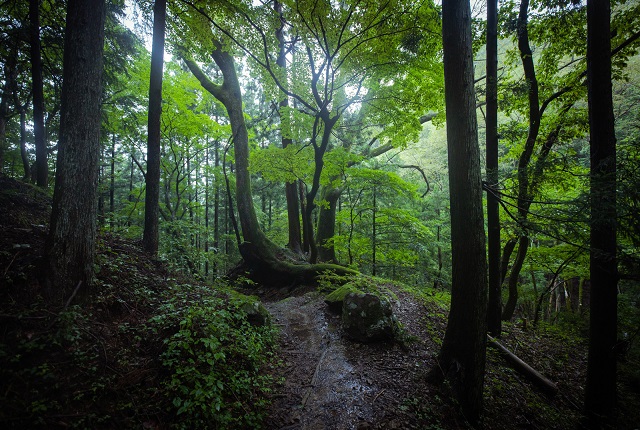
x: 335, y: 299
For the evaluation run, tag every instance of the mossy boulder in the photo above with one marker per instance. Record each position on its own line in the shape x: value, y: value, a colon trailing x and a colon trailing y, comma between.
x: 368, y: 318
x: 335, y: 299
x: 257, y: 314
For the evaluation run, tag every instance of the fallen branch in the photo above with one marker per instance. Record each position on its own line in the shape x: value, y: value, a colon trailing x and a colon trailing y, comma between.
x: 313, y: 380
x: 378, y: 395
x: 533, y: 375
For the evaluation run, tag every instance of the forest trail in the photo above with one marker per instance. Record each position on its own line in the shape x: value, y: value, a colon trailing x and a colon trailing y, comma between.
x: 330, y: 382
x: 317, y: 371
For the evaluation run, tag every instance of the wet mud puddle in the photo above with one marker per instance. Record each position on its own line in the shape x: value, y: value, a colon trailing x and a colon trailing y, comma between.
x: 321, y: 388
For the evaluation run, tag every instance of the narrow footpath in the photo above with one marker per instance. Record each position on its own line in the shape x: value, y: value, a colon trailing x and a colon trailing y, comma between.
x: 330, y: 382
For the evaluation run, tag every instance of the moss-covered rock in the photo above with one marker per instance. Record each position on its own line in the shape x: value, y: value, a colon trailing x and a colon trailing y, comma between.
x: 257, y: 314
x: 368, y: 318
x: 335, y: 299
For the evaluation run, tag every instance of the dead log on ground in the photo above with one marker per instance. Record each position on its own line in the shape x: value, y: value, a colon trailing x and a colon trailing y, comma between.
x: 529, y: 372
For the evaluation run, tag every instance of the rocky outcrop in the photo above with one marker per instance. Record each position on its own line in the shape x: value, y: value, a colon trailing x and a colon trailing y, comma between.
x: 368, y: 318
x: 335, y: 299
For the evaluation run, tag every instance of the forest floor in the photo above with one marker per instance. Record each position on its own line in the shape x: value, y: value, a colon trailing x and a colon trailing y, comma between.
x: 322, y: 380
x: 330, y: 382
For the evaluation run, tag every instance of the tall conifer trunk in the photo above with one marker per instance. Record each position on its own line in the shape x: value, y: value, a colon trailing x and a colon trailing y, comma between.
x: 463, y: 352
x: 70, y: 249
x: 600, y: 393
x: 494, y: 311
x: 42, y: 169
x: 150, y: 237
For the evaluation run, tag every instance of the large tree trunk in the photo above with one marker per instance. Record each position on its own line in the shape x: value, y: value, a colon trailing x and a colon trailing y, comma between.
x: 257, y: 250
x: 600, y: 393
x: 70, y: 249
x: 327, y: 225
x: 326, y: 122
x: 463, y: 352
x: 494, y: 310
x: 150, y: 236
x: 42, y: 169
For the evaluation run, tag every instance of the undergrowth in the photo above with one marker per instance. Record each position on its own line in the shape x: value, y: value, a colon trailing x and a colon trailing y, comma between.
x: 213, y: 358
x: 146, y: 351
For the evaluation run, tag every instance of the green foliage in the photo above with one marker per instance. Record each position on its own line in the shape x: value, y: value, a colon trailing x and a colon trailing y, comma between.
x: 283, y: 164
x: 213, y: 358
x: 441, y: 298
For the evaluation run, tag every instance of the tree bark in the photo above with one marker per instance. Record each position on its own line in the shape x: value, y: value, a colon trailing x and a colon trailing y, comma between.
x: 70, y: 249
x: 327, y: 225
x: 216, y: 208
x: 494, y: 310
x: 23, y: 144
x: 524, y: 194
x: 533, y: 375
x: 512, y: 300
x: 463, y: 352
x: 150, y: 238
x: 600, y: 393
x: 374, y: 232
x: 112, y: 182
x: 7, y: 90
x: 328, y: 122
x: 42, y: 169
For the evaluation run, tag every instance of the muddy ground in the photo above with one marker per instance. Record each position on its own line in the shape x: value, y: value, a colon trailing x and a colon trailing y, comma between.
x: 330, y: 382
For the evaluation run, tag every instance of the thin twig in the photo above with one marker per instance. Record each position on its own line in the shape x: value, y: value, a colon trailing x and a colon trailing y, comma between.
x: 10, y: 263
x: 379, y: 394
x: 66, y: 305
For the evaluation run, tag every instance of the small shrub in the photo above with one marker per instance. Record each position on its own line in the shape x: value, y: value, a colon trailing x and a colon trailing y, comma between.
x: 213, y: 359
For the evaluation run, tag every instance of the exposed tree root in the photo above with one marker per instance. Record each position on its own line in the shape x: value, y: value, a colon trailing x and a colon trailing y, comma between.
x: 269, y: 267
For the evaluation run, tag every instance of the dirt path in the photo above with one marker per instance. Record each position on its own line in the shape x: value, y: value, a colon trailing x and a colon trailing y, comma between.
x: 330, y: 382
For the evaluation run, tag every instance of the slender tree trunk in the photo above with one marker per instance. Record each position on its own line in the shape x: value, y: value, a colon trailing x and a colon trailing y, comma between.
x: 306, y: 225
x: 373, y: 233
x: 509, y: 247
x: 70, y: 249
x: 463, y: 352
x: 206, y: 213
x: 514, y: 276
x: 494, y: 311
x: 42, y: 169
x: 216, y: 206
x: 600, y: 393
x: 101, y: 188
x: 291, y: 194
x: 7, y: 90
x: 23, y: 145
x: 112, y: 181
x: 573, y: 288
x: 524, y: 194
x: 150, y: 236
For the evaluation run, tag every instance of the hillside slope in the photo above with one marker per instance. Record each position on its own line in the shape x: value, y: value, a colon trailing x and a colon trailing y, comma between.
x: 157, y: 350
